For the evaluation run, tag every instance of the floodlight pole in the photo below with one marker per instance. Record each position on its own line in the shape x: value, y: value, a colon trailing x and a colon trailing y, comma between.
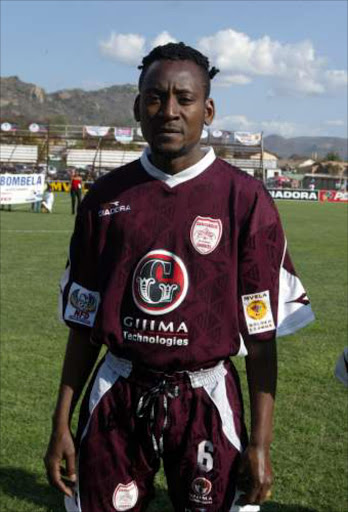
x: 262, y: 163
x: 48, y: 147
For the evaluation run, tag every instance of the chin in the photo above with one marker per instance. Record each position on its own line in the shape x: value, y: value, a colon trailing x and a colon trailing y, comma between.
x: 168, y: 149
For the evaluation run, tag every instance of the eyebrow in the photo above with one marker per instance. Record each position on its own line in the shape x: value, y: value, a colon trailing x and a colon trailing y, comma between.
x: 160, y: 90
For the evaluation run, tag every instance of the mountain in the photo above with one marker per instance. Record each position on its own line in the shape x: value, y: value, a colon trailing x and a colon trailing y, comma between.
x: 22, y: 101
x: 306, y: 146
x: 113, y: 106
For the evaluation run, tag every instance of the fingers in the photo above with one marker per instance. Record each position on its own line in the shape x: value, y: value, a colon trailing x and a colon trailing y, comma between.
x: 70, y: 467
x: 255, y: 493
x: 56, y: 479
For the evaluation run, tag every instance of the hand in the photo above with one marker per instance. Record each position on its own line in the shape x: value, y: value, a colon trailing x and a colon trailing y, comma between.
x: 61, y: 448
x: 255, y: 475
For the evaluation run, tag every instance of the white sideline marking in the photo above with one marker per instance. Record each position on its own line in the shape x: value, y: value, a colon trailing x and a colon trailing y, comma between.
x: 36, y: 231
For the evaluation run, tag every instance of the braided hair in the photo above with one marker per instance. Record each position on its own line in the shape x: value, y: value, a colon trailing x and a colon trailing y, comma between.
x: 179, y: 51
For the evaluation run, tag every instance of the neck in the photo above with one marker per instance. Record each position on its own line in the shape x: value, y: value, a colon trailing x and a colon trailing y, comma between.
x: 175, y: 164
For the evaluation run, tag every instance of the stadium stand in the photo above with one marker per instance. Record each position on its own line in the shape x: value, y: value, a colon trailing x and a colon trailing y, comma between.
x: 17, y: 153
x: 103, y: 159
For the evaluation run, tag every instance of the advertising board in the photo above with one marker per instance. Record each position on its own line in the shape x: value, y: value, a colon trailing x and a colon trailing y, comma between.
x: 333, y: 196
x: 294, y: 194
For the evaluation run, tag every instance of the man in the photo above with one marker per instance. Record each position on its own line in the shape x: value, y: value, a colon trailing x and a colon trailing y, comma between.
x: 181, y: 262
x: 75, y: 190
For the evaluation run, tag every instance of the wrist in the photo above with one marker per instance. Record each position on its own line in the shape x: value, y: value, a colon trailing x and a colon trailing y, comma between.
x: 60, y: 423
x: 259, y: 444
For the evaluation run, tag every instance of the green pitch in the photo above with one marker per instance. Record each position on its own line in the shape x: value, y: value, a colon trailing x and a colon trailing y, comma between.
x: 309, y: 449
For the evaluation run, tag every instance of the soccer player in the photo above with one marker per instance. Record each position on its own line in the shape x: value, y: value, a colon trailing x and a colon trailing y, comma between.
x: 178, y: 261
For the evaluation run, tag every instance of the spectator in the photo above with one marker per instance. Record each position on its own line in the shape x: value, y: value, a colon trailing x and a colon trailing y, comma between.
x: 75, y: 190
x: 48, y: 199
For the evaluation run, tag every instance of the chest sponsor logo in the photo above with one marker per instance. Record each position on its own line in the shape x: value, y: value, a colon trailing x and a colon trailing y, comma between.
x: 125, y: 497
x: 82, y: 305
x: 159, y: 332
x: 258, y: 312
x: 205, y: 234
x: 160, y: 282
x: 115, y: 207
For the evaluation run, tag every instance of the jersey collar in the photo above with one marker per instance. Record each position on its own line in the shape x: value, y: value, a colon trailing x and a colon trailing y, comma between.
x: 182, y: 176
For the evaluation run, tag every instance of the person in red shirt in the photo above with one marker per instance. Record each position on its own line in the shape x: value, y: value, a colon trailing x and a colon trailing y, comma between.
x: 75, y: 190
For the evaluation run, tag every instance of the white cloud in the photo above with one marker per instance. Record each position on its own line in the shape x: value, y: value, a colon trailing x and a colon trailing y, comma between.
x: 295, y: 68
x: 274, y: 126
x: 228, y: 80
x: 241, y: 122
x: 335, y: 122
x: 163, y: 38
x: 126, y: 48
x: 336, y: 78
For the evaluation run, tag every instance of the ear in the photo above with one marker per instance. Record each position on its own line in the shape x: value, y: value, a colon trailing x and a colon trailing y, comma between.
x: 209, y: 111
x: 136, y: 108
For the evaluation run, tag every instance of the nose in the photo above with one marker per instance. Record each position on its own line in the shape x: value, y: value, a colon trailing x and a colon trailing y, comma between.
x: 169, y: 107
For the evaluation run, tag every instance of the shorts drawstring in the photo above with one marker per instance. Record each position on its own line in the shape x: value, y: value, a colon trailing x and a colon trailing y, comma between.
x: 147, y: 405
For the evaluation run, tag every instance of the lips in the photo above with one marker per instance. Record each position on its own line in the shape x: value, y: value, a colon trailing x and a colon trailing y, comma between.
x: 169, y: 130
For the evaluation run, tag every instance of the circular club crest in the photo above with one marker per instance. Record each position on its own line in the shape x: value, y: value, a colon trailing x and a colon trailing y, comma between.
x: 257, y: 309
x: 160, y: 282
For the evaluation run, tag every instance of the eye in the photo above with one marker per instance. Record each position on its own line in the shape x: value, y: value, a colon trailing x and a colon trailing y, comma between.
x: 151, y: 99
x: 185, y: 100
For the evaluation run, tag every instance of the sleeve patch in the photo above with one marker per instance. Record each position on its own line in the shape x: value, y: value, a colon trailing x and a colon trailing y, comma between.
x: 82, y: 305
x: 258, y: 312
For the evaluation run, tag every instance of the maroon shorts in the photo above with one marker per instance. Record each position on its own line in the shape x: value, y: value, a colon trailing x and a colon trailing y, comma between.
x: 130, y: 419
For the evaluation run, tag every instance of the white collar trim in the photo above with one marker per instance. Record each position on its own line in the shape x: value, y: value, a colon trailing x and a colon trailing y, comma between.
x: 182, y: 176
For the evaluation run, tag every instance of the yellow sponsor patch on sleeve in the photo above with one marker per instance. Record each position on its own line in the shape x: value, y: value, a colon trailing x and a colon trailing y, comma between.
x: 257, y: 312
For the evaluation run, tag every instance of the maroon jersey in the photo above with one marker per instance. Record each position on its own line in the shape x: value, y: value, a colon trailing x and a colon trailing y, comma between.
x: 176, y: 272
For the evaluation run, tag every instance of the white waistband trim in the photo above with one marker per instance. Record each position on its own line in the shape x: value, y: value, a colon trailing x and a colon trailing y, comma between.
x: 122, y: 366
x: 198, y: 378
x: 209, y: 376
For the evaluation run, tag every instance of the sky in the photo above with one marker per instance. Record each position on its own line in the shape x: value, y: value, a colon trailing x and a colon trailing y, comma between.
x: 283, y: 64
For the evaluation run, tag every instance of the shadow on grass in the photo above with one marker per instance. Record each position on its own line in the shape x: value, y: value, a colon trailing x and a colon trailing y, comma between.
x: 22, y: 485
x: 272, y: 506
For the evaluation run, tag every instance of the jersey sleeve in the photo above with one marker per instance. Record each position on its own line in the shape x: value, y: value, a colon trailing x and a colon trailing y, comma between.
x: 272, y: 299
x: 79, y: 297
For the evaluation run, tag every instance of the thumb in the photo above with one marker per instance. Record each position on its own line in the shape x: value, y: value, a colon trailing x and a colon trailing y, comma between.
x: 70, y: 467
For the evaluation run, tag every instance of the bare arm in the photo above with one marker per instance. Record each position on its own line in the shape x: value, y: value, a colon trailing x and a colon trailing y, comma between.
x: 80, y: 358
x: 256, y: 470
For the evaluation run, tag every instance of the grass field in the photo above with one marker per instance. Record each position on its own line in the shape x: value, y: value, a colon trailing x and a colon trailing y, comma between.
x: 310, y: 447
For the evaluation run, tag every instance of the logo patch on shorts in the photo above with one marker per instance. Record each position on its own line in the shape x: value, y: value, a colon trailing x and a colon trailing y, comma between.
x: 125, y: 497
x: 82, y: 305
x: 201, y: 488
x: 258, y: 312
x: 205, y: 234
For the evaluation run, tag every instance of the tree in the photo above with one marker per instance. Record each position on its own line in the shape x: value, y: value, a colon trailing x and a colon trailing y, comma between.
x: 333, y: 157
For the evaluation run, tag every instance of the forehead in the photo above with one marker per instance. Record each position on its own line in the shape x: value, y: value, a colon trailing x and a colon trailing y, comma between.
x: 182, y: 74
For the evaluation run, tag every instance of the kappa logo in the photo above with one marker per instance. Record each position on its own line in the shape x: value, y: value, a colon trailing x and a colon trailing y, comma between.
x: 205, y: 234
x: 125, y: 497
x: 116, y: 207
x: 160, y: 282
